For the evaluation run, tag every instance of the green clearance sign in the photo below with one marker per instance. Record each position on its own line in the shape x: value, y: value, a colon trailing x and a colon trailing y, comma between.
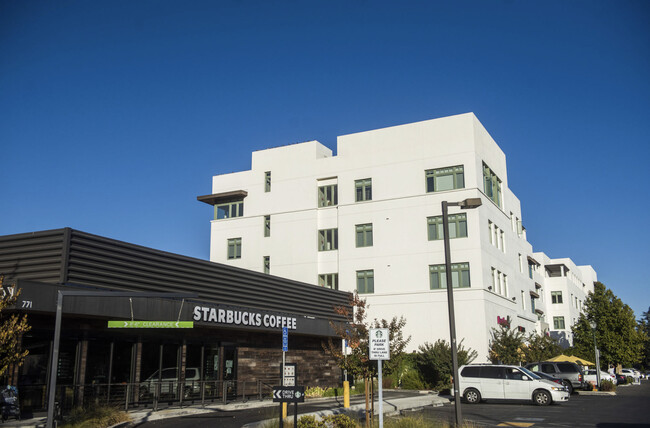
x: 151, y: 324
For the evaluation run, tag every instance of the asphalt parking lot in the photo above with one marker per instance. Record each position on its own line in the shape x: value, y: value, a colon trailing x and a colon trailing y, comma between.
x: 629, y: 408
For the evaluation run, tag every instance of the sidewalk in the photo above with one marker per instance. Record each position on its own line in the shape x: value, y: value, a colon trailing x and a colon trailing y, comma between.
x: 391, y: 406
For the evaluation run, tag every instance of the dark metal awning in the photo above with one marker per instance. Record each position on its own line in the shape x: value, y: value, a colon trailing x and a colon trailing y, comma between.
x: 217, y: 198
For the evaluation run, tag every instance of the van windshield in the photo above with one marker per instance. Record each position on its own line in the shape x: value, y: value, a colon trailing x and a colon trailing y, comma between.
x: 529, y: 373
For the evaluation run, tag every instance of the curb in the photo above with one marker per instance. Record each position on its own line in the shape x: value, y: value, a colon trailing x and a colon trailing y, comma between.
x: 602, y: 393
x: 391, y: 407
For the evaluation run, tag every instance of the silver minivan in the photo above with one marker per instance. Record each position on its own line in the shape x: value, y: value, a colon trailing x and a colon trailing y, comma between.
x: 505, y: 382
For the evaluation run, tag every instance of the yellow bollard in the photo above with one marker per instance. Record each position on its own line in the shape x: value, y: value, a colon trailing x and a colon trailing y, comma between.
x: 346, y: 394
x: 284, y: 410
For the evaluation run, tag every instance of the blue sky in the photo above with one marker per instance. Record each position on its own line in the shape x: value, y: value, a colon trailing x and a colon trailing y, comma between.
x: 114, y: 115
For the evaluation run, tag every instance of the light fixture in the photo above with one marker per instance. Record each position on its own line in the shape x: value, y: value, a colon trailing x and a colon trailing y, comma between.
x: 490, y: 287
x: 466, y: 204
x: 514, y: 299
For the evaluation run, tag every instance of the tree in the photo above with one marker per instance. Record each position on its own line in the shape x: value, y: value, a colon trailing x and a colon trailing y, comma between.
x: 12, y: 328
x: 506, y: 345
x: 355, y: 330
x: 644, y: 328
x: 617, y: 336
x: 540, y: 347
x: 435, y: 365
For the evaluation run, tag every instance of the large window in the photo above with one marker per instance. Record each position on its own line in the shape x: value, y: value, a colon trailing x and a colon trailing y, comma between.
x: 234, y: 248
x: 365, y: 281
x: 491, y: 185
x: 457, y: 226
x: 449, y: 178
x: 558, y: 323
x: 329, y: 280
x: 328, y: 196
x: 363, y: 189
x: 556, y: 297
x: 459, y: 276
x: 364, y: 235
x: 328, y: 239
x: 267, y: 181
x: 228, y: 210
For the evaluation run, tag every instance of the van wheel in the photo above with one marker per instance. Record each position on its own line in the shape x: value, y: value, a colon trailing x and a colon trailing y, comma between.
x: 472, y: 396
x: 542, y: 398
x: 568, y: 385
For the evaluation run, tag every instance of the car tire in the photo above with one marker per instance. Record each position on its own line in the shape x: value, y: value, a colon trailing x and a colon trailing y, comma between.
x: 567, y: 383
x: 472, y: 396
x: 542, y: 398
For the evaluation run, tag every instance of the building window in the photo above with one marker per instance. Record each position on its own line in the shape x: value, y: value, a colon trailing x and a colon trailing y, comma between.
x: 556, y: 297
x: 365, y: 281
x: 531, y: 268
x: 328, y: 239
x: 521, y: 263
x: 523, y: 300
x: 328, y: 196
x: 267, y: 264
x: 363, y: 189
x: 267, y: 225
x: 364, y: 235
x: 457, y: 226
x: 532, y: 304
x: 267, y: 181
x: 459, y: 276
x: 497, y: 236
x: 491, y: 185
x: 329, y: 280
x: 448, y: 178
x: 228, y: 210
x: 234, y: 248
x: 558, y: 323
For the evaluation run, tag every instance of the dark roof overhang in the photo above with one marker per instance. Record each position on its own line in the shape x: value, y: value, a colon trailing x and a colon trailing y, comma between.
x: 218, y: 198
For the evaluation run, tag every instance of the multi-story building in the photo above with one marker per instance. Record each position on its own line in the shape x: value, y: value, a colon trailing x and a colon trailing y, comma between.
x: 369, y: 219
x: 566, y: 287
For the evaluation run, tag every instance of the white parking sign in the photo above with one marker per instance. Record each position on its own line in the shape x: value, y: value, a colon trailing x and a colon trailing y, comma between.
x: 379, y: 344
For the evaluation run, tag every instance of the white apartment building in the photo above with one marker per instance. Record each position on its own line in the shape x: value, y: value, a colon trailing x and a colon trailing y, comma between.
x: 566, y: 287
x: 369, y: 219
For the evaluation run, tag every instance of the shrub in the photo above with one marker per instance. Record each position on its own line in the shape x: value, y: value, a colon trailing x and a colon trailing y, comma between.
x: 411, y: 379
x: 339, y: 421
x: 434, y: 362
x: 309, y: 421
x: 317, y: 391
x: 94, y: 417
x: 607, y: 385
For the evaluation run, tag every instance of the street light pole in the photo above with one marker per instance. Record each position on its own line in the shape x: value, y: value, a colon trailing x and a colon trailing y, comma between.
x: 593, y: 326
x: 466, y: 204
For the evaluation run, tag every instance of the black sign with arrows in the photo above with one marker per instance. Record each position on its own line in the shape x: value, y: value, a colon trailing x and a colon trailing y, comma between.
x: 288, y: 394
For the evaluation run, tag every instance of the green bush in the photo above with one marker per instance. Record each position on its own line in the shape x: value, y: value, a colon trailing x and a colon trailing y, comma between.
x: 412, y: 380
x: 339, y: 421
x: 309, y: 421
x: 607, y: 385
x: 94, y: 417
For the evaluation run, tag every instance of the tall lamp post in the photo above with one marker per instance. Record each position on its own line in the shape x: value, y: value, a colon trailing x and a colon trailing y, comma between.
x: 466, y: 204
x: 593, y: 326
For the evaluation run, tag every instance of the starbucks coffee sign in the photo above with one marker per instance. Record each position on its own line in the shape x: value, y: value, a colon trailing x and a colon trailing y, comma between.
x: 379, y: 344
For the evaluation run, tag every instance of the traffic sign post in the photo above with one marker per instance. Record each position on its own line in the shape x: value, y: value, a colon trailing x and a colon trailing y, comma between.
x: 379, y: 341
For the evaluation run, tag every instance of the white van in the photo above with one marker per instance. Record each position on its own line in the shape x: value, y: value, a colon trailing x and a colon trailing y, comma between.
x: 169, y: 382
x: 504, y: 382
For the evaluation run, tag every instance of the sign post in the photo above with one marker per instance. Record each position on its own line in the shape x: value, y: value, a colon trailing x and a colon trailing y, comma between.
x: 285, y: 348
x: 380, y: 350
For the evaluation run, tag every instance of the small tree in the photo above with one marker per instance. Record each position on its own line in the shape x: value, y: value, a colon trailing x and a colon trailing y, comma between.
x: 506, y: 345
x: 540, y: 347
x: 355, y: 330
x: 435, y: 365
x: 12, y: 328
